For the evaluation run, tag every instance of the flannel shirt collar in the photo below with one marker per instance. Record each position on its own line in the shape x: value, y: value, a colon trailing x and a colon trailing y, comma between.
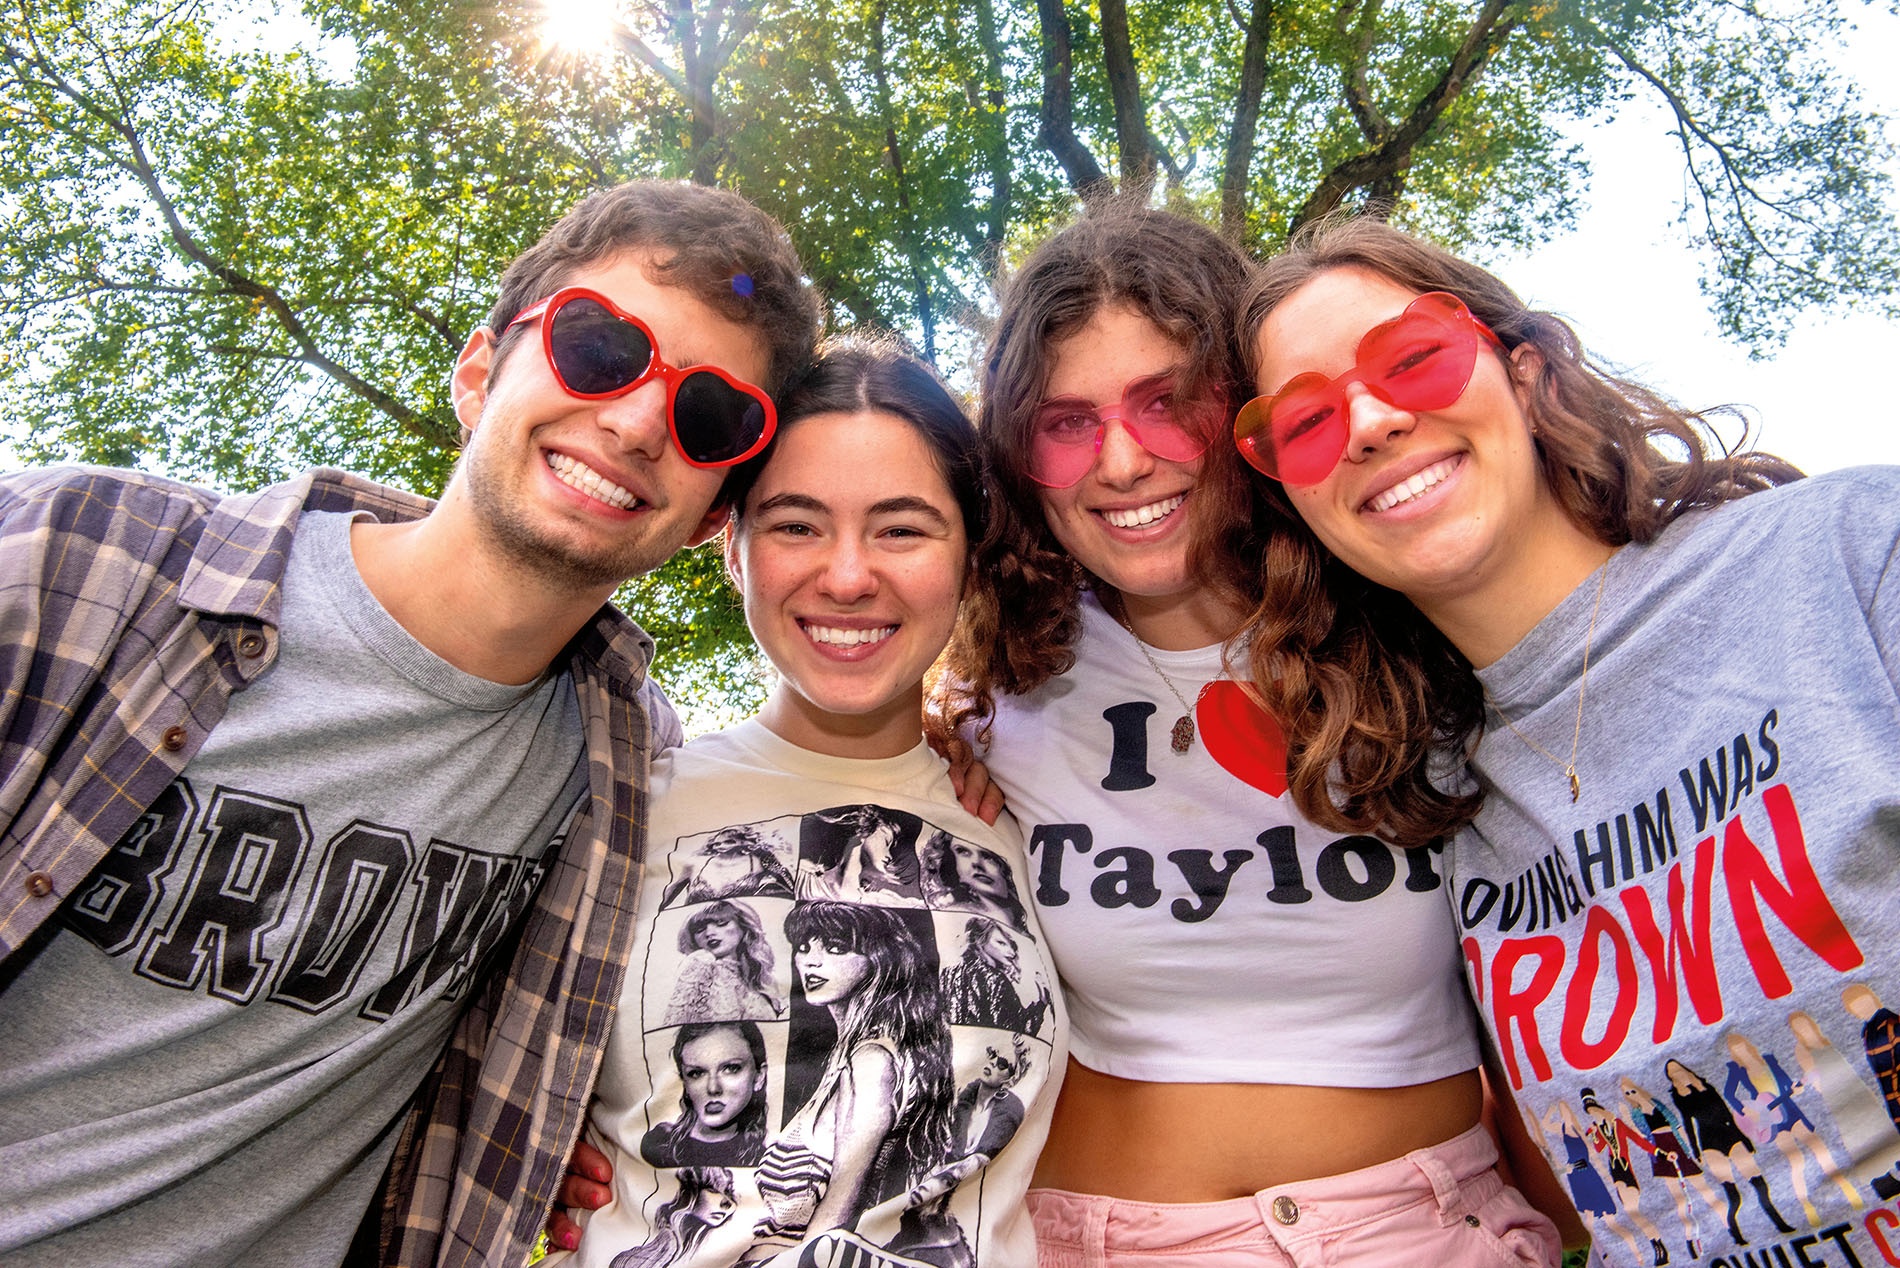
x: 229, y: 578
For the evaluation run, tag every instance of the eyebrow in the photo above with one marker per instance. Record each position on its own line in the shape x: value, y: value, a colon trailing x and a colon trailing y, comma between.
x: 884, y: 506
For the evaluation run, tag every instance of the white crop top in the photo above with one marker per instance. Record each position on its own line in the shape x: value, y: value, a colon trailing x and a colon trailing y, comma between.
x: 1204, y: 931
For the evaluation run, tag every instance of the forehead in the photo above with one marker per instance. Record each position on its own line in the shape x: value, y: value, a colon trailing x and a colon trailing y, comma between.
x: 689, y: 331
x: 852, y: 460
x: 1319, y: 326
x: 715, y: 1045
x: 1115, y: 345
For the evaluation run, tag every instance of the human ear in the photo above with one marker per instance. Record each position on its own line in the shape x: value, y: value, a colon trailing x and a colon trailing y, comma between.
x: 468, y: 382
x: 709, y: 525
x: 734, y: 572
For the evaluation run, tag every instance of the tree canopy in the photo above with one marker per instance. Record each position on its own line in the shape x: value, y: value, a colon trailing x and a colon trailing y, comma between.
x: 230, y: 259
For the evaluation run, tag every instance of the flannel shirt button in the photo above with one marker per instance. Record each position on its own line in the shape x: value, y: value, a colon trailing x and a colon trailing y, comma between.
x: 173, y: 739
x: 39, y: 884
x: 251, y: 646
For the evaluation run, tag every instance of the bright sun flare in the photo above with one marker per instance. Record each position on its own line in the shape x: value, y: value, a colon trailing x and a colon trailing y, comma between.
x: 580, y: 26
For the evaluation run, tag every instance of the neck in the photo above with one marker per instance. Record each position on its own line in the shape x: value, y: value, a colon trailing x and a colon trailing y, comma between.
x: 490, y: 617
x: 1178, y: 623
x: 1488, y: 620
x: 888, y: 731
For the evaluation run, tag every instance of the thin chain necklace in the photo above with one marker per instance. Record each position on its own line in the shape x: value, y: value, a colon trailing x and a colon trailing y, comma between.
x: 1181, y: 738
x: 1583, y: 682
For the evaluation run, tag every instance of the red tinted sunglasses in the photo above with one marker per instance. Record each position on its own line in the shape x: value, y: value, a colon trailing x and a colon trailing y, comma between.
x: 1068, y: 431
x: 1422, y: 359
x: 598, y: 352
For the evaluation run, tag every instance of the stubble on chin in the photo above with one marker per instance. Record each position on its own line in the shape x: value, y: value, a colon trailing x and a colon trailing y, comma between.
x: 509, y: 524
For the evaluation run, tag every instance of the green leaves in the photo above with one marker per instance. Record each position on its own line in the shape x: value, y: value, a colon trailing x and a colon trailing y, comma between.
x: 230, y: 258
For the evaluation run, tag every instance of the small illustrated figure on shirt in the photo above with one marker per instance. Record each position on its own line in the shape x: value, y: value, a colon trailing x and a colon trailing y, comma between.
x: 964, y: 876
x: 1720, y: 1145
x: 878, y: 1117
x: 1763, y: 1097
x: 704, y: 1202
x: 735, y: 862
x: 876, y: 863
x: 981, y: 988
x: 727, y: 973
x: 722, y: 1073
x: 1859, y: 1115
x: 1612, y: 1136
x: 1670, y: 1162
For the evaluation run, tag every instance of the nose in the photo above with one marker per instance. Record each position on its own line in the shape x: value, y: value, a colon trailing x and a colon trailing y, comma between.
x: 638, y: 420
x: 716, y: 1083
x: 1371, y: 423
x: 1121, y: 460
x: 848, y: 572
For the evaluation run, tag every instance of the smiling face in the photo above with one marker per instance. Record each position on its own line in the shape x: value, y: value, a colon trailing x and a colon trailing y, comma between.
x: 721, y: 1079
x: 1449, y: 507
x: 593, y: 492
x: 851, y: 556
x: 1128, y: 519
x: 830, y: 972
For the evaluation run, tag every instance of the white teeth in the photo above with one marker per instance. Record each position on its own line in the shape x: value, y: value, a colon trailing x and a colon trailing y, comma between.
x: 1142, y: 515
x: 578, y: 475
x: 848, y: 638
x: 1406, y: 490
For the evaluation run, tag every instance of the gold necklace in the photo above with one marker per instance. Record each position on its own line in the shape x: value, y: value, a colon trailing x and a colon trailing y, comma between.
x: 1583, y: 682
x: 1181, y: 737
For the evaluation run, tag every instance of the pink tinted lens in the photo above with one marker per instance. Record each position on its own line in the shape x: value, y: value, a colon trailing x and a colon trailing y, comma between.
x: 1068, y: 436
x: 1424, y: 359
x: 1306, y: 430
x: 1420, y: 360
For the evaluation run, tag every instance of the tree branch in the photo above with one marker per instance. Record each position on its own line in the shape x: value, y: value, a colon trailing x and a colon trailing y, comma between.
x: 1241, y: 138
x: 1382, y: 165
x: 1057, y: 131
x: 1133, y: 142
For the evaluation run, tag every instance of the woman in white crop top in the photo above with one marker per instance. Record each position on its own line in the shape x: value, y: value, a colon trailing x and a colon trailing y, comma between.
x: 1274, y: 1057
x: 781, y: 1083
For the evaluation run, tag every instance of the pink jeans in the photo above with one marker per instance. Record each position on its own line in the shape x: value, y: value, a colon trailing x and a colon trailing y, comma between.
x: 1445, y: 1207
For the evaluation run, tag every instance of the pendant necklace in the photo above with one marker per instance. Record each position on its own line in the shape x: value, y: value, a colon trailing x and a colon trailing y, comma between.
x: 1181, y: 737
x: 1583, y: 681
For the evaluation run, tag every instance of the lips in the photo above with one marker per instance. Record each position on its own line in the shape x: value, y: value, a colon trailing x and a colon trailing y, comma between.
x: 1143, y: 516
x: 577, y: 475
x: 1415, y: 485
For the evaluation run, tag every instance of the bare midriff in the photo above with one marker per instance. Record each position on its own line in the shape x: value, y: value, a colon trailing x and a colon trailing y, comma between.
x: 1208, y: 1142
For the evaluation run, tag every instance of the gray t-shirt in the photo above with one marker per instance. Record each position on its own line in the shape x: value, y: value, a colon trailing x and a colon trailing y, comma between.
x: 1690, y: 972
x: 206, y: 1062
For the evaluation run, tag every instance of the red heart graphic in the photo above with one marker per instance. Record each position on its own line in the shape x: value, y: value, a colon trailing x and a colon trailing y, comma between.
x: 1241, y: 737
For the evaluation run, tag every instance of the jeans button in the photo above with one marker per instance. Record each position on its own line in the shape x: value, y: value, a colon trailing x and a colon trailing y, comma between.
x: 1286, y: 1210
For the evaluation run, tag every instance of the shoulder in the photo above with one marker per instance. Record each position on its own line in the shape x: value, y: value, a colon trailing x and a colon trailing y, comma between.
x: 100, y: 502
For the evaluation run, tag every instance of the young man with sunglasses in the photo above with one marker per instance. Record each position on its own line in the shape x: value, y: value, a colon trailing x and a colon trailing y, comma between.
x: 298, y: 787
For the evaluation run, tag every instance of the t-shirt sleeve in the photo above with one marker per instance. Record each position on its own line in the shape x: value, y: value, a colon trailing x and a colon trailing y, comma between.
x: 661, y: 717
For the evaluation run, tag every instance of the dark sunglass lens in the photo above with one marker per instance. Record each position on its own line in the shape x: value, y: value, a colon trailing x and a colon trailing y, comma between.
x: 715, y: 421
x: 595, y: 351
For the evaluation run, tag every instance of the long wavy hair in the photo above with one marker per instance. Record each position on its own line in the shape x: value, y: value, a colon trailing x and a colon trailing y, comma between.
x: 899, y: 1001
x: 1021, y: 614
x: 1365, y: 688
x: 754, y: 955
x: 677, y: 1230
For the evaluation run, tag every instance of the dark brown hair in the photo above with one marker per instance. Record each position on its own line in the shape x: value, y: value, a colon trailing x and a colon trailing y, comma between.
x: 1365, y: 687
x: 1020, y: 617
x: 715, y: 245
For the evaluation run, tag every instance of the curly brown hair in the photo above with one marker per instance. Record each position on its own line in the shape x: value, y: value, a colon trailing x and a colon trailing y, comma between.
x: 1021, y: 615
x: 1366, y: 689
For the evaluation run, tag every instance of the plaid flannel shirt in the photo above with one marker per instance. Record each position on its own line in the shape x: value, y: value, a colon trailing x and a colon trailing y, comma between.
x: 130, y: 609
